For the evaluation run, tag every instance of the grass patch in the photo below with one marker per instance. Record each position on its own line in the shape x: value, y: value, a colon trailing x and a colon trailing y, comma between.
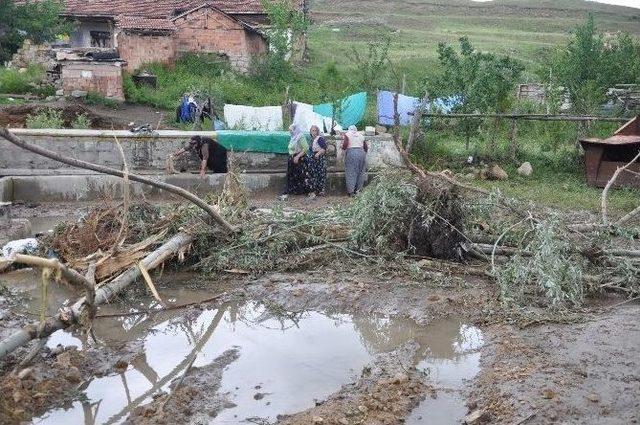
x: 95, y: 98
x: 12, y: 81
x: 558, y: 178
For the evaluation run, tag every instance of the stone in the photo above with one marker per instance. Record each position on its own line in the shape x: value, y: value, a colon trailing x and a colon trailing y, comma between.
x: 25, y: 373
x: 476, y: 417
x: 22, y: 71
x: 496, y: 172
x: 593, y: 397
x: 525, y: 169
x: 369, y: 131
x: 50, y: 98
x: 78, y: 93
x: 59, y: 92
x: 380, y: 129
x: 317, y: 420
x: 344, y: 421
x: 73, y: 375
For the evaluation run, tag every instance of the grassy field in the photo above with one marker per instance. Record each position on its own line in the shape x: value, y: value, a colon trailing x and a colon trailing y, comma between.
x: 526, y: 30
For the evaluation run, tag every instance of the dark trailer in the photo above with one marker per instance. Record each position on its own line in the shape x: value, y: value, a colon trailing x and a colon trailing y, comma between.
x: 604, y: 156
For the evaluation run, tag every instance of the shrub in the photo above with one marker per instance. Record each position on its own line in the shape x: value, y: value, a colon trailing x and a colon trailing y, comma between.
x: 45, y: 118
x: 82, y: 121
x: 13, y: 81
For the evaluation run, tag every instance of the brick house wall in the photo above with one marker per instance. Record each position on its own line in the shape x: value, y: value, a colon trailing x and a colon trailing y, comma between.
x: 104, y: 78
x: 207, y: 30
x: 139, y: 49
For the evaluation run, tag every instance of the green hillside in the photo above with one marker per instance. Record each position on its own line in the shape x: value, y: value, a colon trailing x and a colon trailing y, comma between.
x: 522, y: 29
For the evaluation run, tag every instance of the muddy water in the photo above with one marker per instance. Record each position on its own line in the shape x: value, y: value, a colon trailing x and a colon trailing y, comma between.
x: 287, y: 360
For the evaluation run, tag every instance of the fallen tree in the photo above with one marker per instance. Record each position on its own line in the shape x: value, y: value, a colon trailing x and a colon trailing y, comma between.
x: 104, y: 294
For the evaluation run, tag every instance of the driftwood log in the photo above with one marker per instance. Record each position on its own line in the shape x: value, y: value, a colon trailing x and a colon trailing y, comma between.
x: 103, y: 295
x: 10, y: 137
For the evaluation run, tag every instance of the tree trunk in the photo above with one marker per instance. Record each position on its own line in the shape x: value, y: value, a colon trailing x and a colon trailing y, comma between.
x: 102, y: 296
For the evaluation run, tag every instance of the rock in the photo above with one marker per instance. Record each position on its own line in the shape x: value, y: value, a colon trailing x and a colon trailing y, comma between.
x: 380, y: 129
x: 25, y: 373
x: 73, y: 375
x: 22, y: 71
x: 525, y: 169
x: 548, y: 394
x: 476, y: 417
x: 369, y: 131
x: 363, y: 408
x: 49, y: 98
x: 59, y: 92
x: 593, y: 397
x: 344, y: 421
x: 79, y: 93
x: 495, y: 172
x: 317, y: 420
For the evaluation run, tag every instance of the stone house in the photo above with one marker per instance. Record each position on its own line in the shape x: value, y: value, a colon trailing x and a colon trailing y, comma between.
x: 145, y: 31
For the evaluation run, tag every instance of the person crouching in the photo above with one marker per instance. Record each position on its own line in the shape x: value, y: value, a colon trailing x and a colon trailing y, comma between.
x: 212, y: 155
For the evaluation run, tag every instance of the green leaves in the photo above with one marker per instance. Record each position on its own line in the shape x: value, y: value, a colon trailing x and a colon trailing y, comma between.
x: 37, y: 21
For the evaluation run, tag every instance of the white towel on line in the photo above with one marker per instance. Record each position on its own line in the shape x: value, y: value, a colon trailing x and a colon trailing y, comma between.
x: 263, y: 118
x: 304, y: 118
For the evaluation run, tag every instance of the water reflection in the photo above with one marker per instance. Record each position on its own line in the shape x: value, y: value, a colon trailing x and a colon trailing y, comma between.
x: 292, y: 359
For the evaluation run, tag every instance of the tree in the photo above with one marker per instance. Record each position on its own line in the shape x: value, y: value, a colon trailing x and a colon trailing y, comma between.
x: 333, y: 88
x: 590, y: 63
x: 484, y: 82
x: 37, y: 21
x: 370, y: 67
x: 287, y: 26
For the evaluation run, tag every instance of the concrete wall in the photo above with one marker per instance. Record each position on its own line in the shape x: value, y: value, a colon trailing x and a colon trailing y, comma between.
x: 207, y: 30
x: 104, y: 78
x: 138, y: 49
x: 6, y: 189
x: 96, y: 187
x: 150, y: 152
x: 81, y: 36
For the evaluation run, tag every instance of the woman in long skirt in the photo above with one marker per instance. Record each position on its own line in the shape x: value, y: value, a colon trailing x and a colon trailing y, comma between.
x: 318, y: 162
x: 298, y: 175
x: 355, y: 148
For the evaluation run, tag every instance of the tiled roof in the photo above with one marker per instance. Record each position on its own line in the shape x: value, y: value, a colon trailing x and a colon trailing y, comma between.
x: 156, y: 8
x: 142, y: 23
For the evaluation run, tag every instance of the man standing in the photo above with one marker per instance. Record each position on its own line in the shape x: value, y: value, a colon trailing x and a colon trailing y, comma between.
x: 211, y: 153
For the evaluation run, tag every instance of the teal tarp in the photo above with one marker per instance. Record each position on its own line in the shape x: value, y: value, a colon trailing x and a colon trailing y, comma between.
x: 351, y: 111
x: 254, y: 141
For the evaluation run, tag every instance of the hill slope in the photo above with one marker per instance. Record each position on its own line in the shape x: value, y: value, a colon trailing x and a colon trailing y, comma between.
x: 523, y: 29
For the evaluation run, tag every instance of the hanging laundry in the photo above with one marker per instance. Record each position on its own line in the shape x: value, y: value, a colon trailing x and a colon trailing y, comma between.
x: 254, y: 141
x: 352, y: 109
x: 406, y: 106
x: 304, y: 118
x: 265, y: 118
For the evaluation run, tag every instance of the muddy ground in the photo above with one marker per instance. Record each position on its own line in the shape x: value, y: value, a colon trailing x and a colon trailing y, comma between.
x: 585, y: 371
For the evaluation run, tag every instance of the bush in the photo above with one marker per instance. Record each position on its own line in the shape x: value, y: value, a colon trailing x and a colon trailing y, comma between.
x: 82, y: 121
x: 14, y: 82
x: 45, y: 118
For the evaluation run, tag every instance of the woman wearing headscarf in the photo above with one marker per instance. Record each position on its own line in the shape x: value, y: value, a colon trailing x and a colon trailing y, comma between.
x: 317, y: 161
x: 354, y: 146
x: 298, y: 179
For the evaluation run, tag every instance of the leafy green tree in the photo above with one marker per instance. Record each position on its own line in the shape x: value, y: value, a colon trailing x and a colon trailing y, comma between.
x: 591, y: 63
x: 333, y: 88
x: 287, y: 26
x: 37, y: 21
x: 484, y: 82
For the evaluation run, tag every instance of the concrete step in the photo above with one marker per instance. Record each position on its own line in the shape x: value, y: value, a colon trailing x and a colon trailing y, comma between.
x: 95, y: 187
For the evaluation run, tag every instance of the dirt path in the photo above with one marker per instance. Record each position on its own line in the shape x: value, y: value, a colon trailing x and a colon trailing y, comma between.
x: 578, y: 373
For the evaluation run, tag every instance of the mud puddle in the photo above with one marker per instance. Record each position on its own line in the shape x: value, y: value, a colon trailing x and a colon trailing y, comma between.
x: 283, y: 362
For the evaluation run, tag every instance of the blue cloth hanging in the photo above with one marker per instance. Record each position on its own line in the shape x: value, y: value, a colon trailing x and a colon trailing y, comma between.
x: 352, y: 109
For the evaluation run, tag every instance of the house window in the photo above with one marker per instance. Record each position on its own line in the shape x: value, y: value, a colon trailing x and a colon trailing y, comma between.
x: 100, y: 38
